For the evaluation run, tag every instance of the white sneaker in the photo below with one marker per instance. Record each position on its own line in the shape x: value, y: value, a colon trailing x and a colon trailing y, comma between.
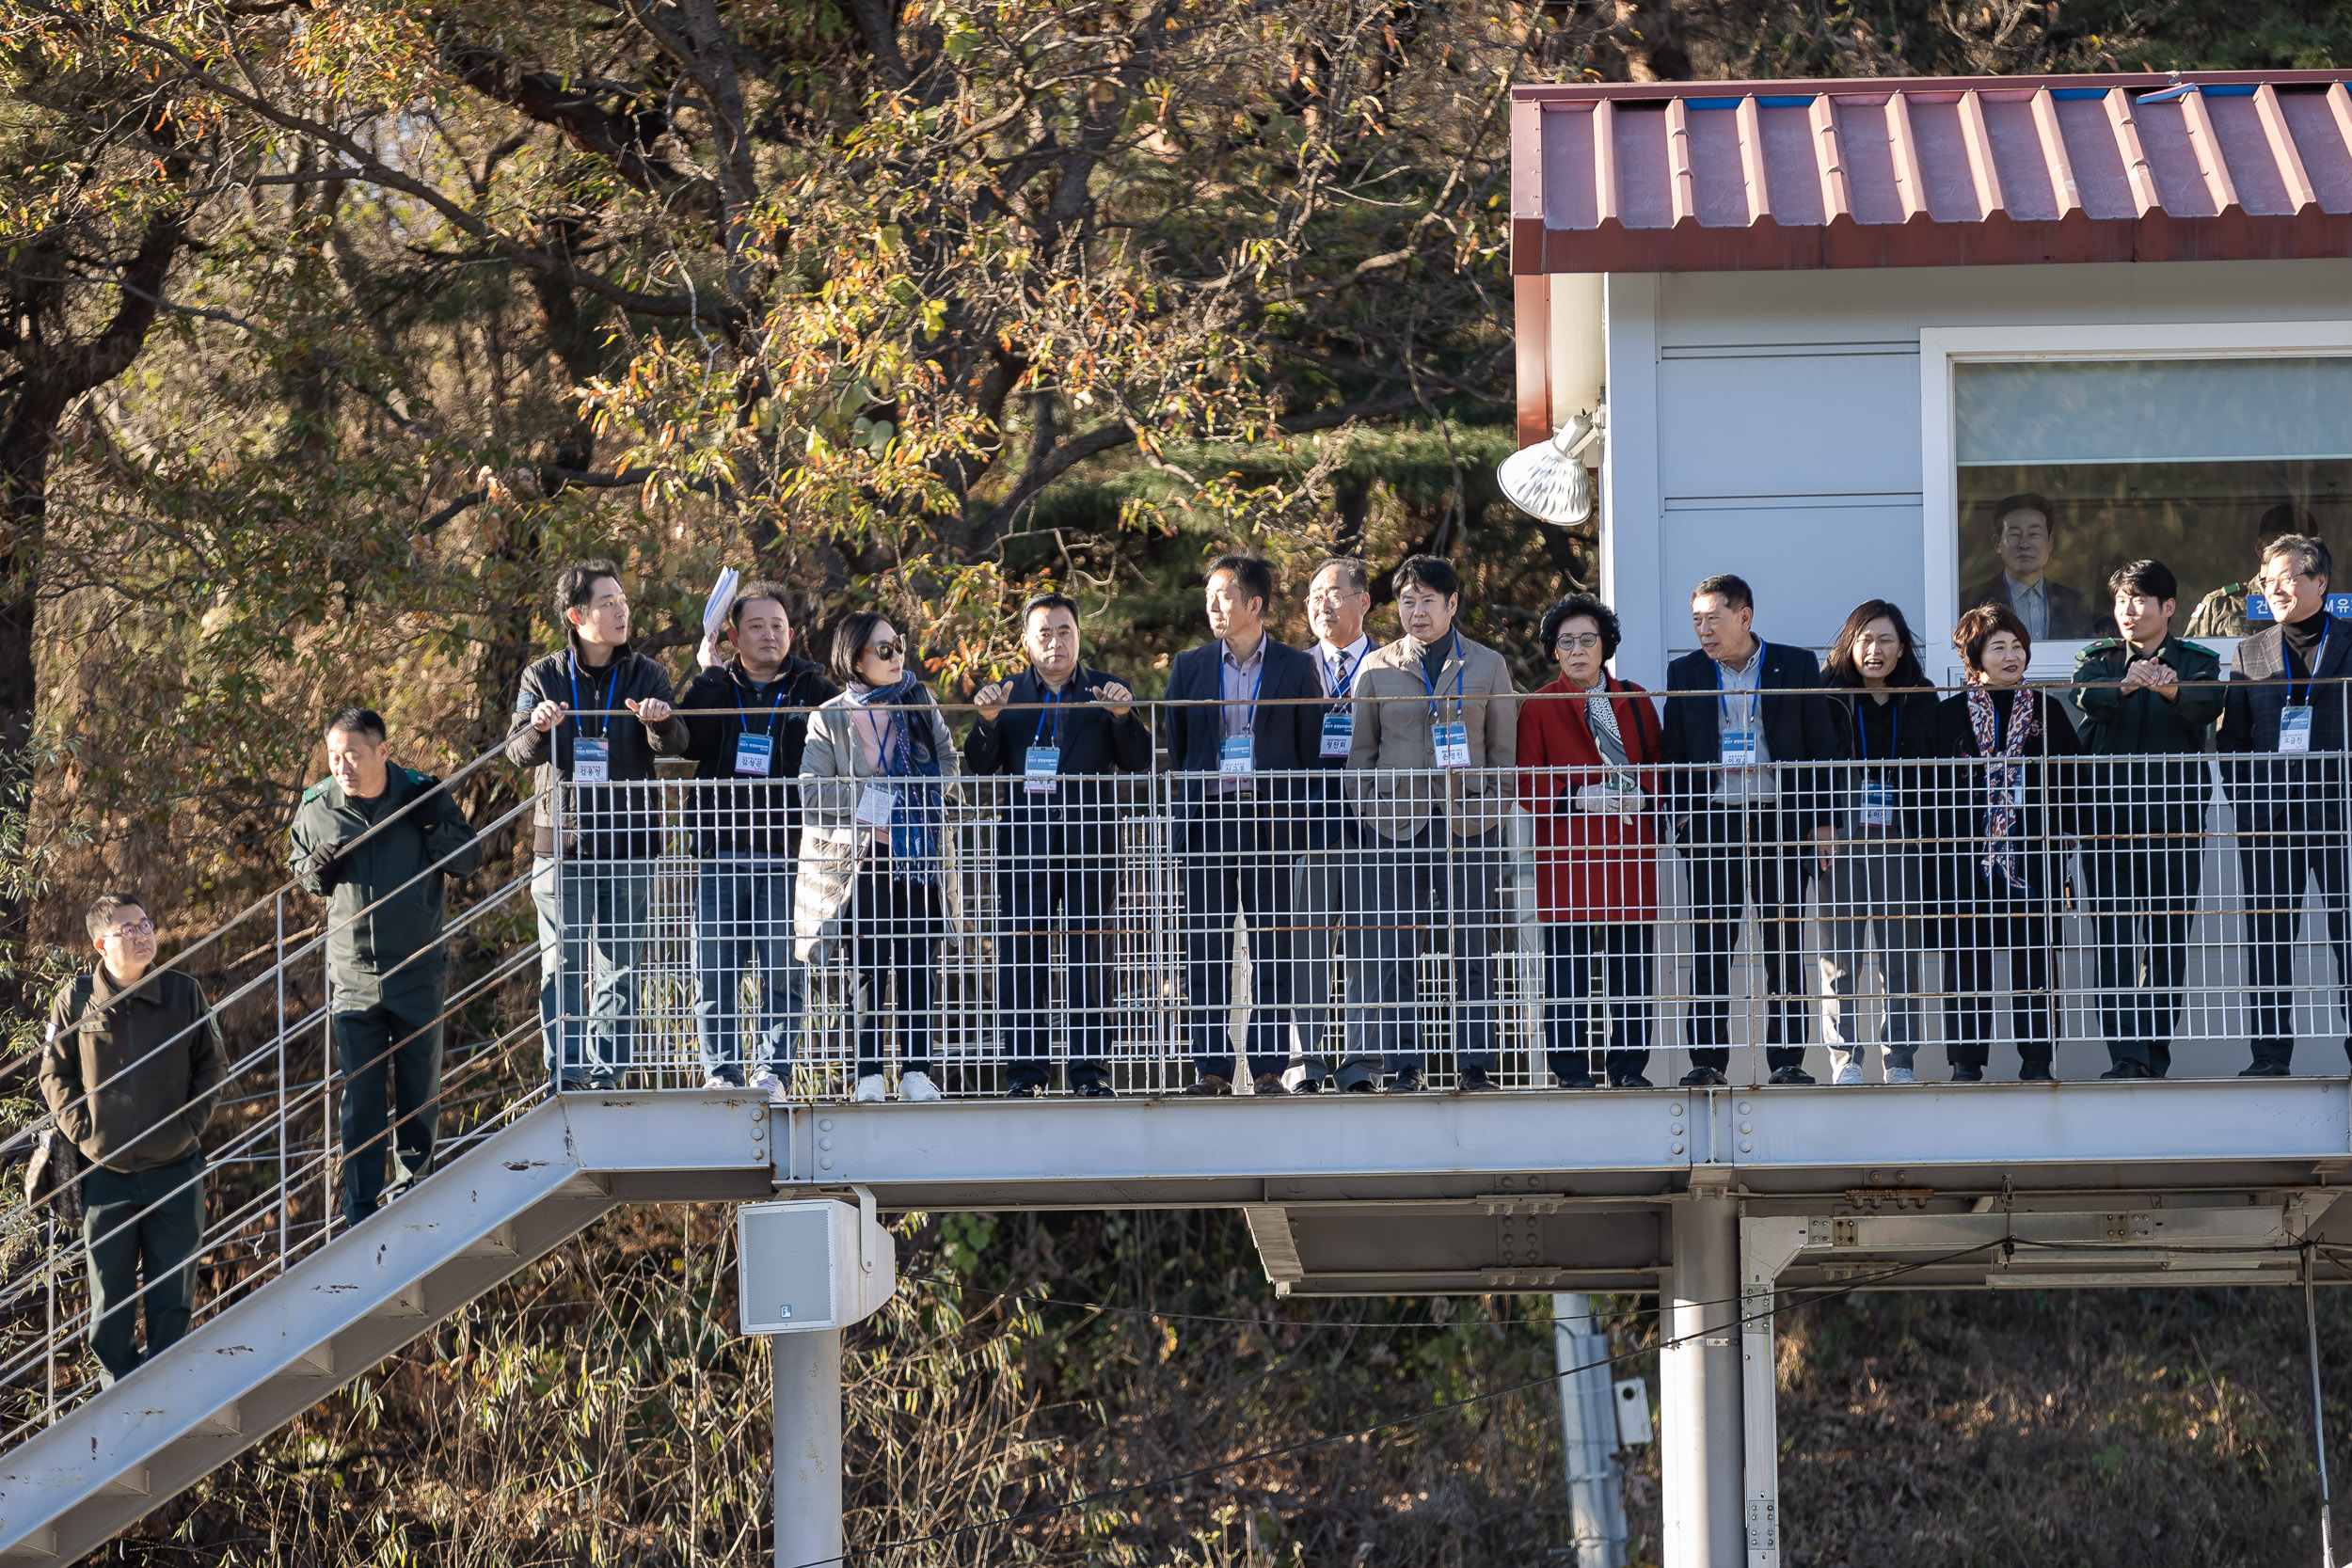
x: 1850, y: 1074
x: 720, y: 1081
x: 766, y: 1082
x: 1901, y: 1075
x: 869, y: 1090
x: 917, y: 1086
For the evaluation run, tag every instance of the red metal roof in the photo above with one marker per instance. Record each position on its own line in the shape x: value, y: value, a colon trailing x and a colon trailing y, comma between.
x: 1919, y: 171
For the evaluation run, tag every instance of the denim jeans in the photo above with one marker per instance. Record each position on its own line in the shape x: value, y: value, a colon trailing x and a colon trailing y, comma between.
x: 744, y: 921
x: 592, y: 915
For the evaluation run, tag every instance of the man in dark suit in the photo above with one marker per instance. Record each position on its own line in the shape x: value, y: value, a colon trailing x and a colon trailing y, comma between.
x: 1236, y: 829
x: 2283, y: 739
x: 2025, y: 534
x: 1056, y: 733
x: 1756, y: 816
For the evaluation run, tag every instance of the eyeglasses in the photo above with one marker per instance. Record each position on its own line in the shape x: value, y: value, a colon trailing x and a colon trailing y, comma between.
x: 135, y: 929
x: 1576, y: 641
x: 886, y: 651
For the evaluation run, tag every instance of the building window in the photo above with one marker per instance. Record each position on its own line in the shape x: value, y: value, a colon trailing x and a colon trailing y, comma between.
x: 2069, y: 468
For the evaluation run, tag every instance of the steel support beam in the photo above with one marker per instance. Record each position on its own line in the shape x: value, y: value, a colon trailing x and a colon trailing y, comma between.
x: 1700, y: 1377
x: 1588, y: 1424
x: 808, y: 1449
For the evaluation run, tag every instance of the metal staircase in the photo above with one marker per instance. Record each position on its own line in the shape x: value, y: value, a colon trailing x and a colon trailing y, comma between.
x: 239, y: 1374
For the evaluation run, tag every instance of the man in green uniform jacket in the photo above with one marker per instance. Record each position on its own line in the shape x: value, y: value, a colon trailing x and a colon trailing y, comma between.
x: 386, y: 967
x: 131, y: 1068
x: 2145, y: 693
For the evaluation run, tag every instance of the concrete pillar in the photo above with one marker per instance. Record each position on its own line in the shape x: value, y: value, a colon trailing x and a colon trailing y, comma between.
x: 808, y: 1447
x: 1702, y: 1443
x: 1588, y: 1420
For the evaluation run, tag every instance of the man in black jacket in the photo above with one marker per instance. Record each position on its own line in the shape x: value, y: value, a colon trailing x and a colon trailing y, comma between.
x: 2282, y: 737
x: 594, y: 899
x: 1235, y: 831
x: 1063, y: 732
x: 746, y: 725
x: 1751, y: 745
x: 387, y: 964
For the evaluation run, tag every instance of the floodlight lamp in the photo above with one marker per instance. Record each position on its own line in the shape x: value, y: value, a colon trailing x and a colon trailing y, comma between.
x: 1548, y: 481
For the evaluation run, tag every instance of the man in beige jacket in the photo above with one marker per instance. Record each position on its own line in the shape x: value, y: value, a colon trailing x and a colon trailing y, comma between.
x: 1429, y: 773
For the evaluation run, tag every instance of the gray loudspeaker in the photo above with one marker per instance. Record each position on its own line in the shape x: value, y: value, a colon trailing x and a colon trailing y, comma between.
x: 812, y: 1263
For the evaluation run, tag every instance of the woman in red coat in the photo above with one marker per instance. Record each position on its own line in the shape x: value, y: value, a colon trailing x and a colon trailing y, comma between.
x: 1586, y: 777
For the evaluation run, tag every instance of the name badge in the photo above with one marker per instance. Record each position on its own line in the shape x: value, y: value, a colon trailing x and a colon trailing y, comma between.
x: 875, y: 806
x: 752, y: 755
x: 1237, y: 753
x: 592, y: 760
x: 2295, y: 729
x: 1039, y: 768
x: 1339, y: 732
x: 1738, y: 748
x: 1878, y: 804
x: 1450, y: 743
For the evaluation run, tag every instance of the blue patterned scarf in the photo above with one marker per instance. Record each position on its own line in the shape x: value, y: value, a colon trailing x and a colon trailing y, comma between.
x: 2005, y: 777
x: 918, y: 821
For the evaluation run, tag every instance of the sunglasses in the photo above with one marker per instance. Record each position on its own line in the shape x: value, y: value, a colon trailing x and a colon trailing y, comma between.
x: 886, y: 651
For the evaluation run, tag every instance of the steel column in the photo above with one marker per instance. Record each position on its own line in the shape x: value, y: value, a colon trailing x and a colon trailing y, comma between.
x: 808, y: 1447
x: 1700, y: 1373
x: 1588, y: 1421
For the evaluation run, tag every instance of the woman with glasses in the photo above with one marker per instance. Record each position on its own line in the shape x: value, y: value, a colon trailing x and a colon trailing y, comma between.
x: 874, y: 873
x: 1586, y: 744
x: 1871, y: 894
x: 2002, y: 803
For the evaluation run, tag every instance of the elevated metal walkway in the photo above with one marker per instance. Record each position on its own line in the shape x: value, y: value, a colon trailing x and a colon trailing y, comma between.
x: 508, y: 1200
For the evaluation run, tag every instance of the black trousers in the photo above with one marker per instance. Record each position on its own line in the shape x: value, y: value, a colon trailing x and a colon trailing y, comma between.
x: 1569, y: 1013
x: 1229, y: 872
x: 392, y: 1107
x: 895, y: 928
x: 1737, y: 858
x: 1987, y: 923
x: 134, y: 1222
x: 1071, y: 896
x: 2143, y: 898
x: 2277, y: 858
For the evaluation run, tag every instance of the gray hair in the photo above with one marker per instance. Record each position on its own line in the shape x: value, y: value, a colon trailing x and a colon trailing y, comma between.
x: 1358, y: 574
x: 2310, y: 554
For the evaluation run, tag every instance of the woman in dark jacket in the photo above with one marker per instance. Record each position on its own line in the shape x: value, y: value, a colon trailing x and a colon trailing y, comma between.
x: 1872, y: 891
x: 1587, y: 742
x: 2002, y: 806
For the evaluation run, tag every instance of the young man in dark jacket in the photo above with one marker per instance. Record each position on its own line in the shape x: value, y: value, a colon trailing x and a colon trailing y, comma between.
x: 387, y: 966
x: 1061, y: 730
x: 570, y: 728
x: 746, y: 725
x: 130, y: 1067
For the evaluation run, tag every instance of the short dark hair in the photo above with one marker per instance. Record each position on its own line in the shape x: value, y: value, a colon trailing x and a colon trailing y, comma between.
x: 1254, y: 577
x: 1435, y: 573
x: 2311, y: 559
x: 1976, y: 627
x: 1051, y: 599
x: 760, y: 588
x: 1358, y: 574
x: 2025, y: 500
x: 1589, y: 605
x: 358, y: 721
x: 2152, y: 577
x: 104, y: 909
x: 575, y: 584
x: 849, y: 640
x: 1735, y: 591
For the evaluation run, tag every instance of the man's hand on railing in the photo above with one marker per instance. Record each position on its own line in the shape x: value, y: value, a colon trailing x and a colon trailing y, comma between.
x: 649, y: 710
x: 1115, y: 698
x: 322, y: 866
x: 989, y: 700
x: 546, y: 716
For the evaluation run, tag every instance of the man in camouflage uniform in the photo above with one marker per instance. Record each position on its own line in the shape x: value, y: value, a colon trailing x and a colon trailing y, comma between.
x: 2144, y: 694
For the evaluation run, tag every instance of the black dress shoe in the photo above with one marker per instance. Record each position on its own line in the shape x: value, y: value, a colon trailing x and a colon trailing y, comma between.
x: 1096, y: 1088
x: 1632, y: 1081
x: 2127, y: 1069
x: 1269, y: 1082
x: 1703, y: 1078
x: 1407, y: 1081
x: 1026, y: 1091
x: 1573, y: 1080
x: 1791, y: 1075
x: 1967, y: 1072
x: 1309, y: 1086
x: 1209, y: 1085
x: 2036, y: 1072
x: 2267, y: 1069
x: 1362, y: 1085
x: 1476, y: 1081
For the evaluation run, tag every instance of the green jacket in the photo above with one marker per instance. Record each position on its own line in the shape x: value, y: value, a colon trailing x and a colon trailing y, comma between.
x: 367, y: 954
x: 131, y: 1076
x: 2144, y: 724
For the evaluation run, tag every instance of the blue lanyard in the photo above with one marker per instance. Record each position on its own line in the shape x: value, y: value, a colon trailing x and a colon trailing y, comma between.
x: 1436, y: 714
x: 1341, y: 682
x: 1754, y: 694
x: 1252, y: 715
x: 743, y: 725
x: 2319, y: 656
x: 604, y: 723
x: 1053, y: 705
